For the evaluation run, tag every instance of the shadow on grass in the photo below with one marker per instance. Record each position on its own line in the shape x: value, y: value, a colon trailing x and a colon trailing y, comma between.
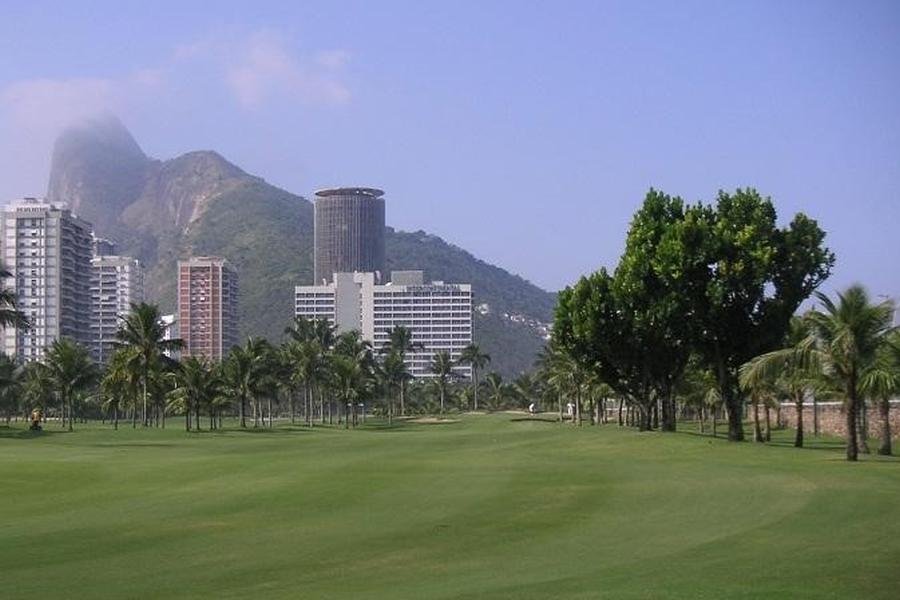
x: 15, y: 433
x: 534, y: 420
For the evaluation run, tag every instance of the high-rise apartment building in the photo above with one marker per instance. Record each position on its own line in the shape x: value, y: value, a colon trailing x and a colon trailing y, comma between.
x: 47, y: 250
x: 349, y: 232
x: 207, y: 306
x: 117, y: 282
x: 438, y: 314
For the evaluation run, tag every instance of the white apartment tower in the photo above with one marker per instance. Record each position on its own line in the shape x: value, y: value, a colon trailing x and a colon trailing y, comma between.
x: 438, y: 314
x: 117, y: 282
x: 47, y: 251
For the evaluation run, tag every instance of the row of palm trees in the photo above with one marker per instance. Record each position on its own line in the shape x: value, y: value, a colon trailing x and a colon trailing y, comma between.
x: 848, y: 350
x: 315, y: 373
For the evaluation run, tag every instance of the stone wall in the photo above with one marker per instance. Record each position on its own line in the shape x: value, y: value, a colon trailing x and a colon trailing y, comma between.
x: 833, y: 420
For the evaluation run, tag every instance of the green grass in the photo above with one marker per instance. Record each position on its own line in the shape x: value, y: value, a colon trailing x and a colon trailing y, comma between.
x: 490, y: 507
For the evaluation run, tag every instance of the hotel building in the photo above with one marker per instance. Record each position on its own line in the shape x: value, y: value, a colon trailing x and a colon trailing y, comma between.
x: 438, y: 314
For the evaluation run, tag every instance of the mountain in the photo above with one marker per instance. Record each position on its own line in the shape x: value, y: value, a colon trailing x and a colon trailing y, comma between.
x: 199, y: 203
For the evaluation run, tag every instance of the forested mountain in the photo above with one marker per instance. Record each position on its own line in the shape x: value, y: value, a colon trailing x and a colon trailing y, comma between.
x: 199, y: 203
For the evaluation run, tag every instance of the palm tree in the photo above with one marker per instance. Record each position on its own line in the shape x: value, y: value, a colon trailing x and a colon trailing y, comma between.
x: 242, y: 372
x: 787, y: 369
x: 10, y: 385
x: 71, y: 371
x: 498, y: 392
x: 9, y: 314
x: 442, y: 367
x: 843, y: 342
x: 197, y: 387
x: 400, y: 340
x: 118, y: 382
x: 347, y: 379
x: 473, y: 356
x: 143, y: 330
x: 881, y: 382
x: 395, y: 375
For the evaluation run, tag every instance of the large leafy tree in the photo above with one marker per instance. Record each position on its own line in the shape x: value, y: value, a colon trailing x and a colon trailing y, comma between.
x: 745, y: 278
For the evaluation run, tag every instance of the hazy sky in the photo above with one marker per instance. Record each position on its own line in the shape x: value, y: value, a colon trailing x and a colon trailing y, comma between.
x: 525, y: 132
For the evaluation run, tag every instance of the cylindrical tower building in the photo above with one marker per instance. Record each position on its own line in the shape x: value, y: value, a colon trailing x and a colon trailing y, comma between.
x: 349, y: 232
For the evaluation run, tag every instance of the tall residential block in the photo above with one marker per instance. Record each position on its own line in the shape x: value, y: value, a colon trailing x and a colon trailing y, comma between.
x: 117, y: 282
x: 207, y: 306
x: 47, y: 250
x: 438, y: 314
x: 349, y: 232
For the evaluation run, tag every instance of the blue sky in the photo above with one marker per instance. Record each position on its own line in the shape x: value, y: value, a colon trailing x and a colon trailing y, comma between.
x: 525, y: 132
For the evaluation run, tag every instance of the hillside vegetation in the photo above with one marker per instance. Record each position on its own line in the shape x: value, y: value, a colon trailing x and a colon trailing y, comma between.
x: 199, y: 203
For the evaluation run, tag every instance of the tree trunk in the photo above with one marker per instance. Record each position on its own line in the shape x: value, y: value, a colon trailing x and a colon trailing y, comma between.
x: 116, y: 417
x: 798, y: 404
x: 187, y: 417
x: 402, y: 398
x: 768, y: 434
x: 700, y: 420
x: 815, y: 416
x: 715, y: 419
x: 621, y: 406
x: 852, y: 448
x: 862, y: 424
x: 442, y: 400
x: 475, y: 388
x: 885, y: 408
x: 241, y: 410
x: 197, y: 415
x: 757, y: 432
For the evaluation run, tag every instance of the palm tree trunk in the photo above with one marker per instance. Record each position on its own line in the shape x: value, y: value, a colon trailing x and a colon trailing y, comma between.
x: 71, y: 410
x: 241, y: 409
x: 815, y: 416
x: 768, y: 434
x: 116, y: 417
x: 621, y: 405
x: 852, y: 448
x: 475, y: 384
x: 862, y: 424
x: 798, y: 403
x: 715, y: 419
x: 144, y: 393
x: 442, y: 400
x: 757, y: 431
x: 884, y: 407
x: 402, y: 398
x: 269, y: 403
x: 187, y: 417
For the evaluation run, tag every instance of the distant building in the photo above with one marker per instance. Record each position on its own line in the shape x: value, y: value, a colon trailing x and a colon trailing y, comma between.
x: 438, y: 314
x: 47, y: 250
x: 117, y: 282
x: 102, y: 246
x: 207, y: 306
x: 349, y: 232
x: 170, y: 332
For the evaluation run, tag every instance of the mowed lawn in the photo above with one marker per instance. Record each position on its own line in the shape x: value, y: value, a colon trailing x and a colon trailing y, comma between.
x: 493, y: 506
